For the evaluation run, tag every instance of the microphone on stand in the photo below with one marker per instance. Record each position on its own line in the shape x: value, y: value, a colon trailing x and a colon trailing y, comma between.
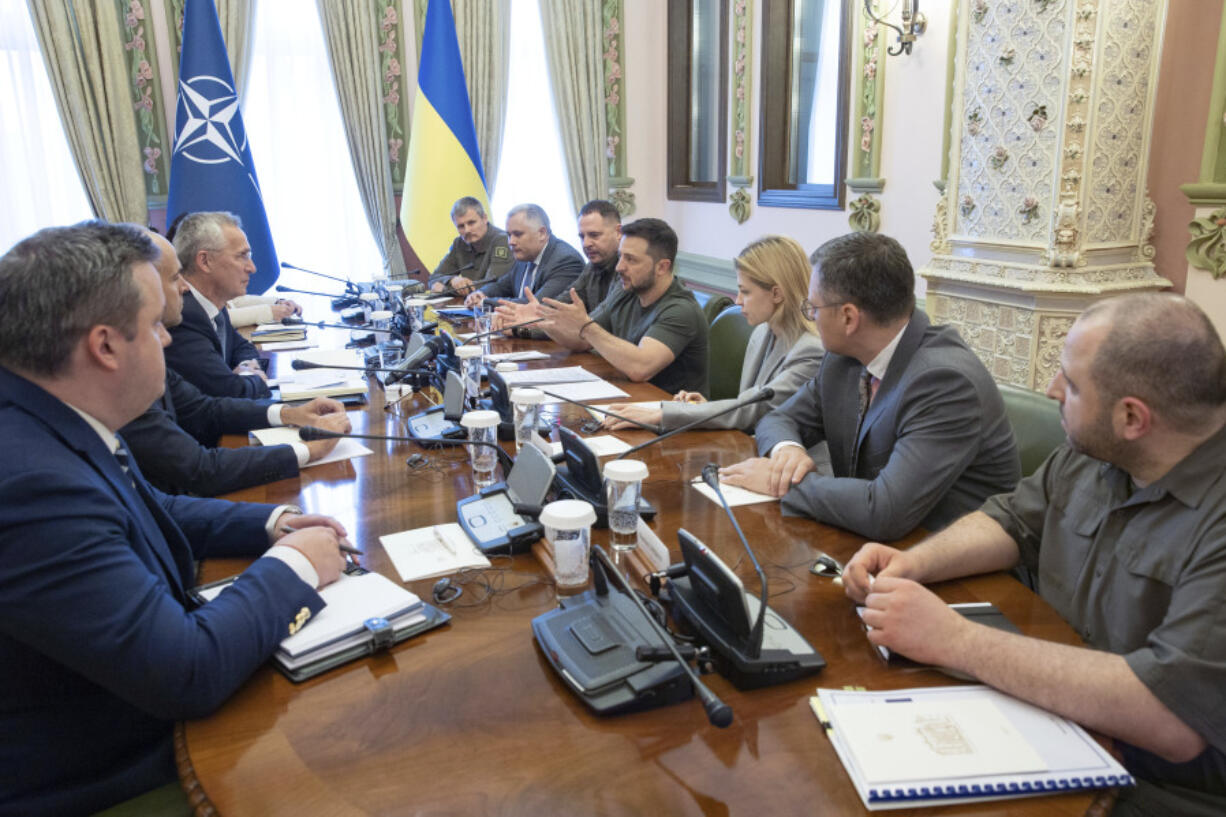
x: 710, y: 475
x: 764, y: 393
x: 283, y: 288
x: 598, y: 410
x: 395, y: 373
x: 718, y: 713
x: 364, y: 327
x: 309, y: 433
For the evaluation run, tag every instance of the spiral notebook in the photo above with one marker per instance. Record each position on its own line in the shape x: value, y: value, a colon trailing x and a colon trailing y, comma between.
x: 962, y: 744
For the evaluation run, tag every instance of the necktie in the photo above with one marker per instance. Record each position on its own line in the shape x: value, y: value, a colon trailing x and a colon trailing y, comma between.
x: 529, y: 279
x: 219, y: 321
x: 868, y: 390
x: 122, y: 455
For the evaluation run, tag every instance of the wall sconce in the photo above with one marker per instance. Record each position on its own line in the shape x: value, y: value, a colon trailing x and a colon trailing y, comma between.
x: 913, y: 25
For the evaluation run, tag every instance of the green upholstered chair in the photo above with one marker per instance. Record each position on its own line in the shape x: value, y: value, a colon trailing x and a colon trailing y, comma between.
x: 1036, y: 425
x: 714, y: 306
x: 166, y: 801
x: 728, y: 339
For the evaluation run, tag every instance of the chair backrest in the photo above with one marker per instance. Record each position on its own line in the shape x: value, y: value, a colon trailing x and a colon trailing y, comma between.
x: 1036, y: 425
x: 726, y: 356
x: 714, y: 306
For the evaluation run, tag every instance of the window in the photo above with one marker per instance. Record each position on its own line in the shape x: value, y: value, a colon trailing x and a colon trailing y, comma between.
x: 41, y: 186
x: 532, y: 167
x: 298, y: 144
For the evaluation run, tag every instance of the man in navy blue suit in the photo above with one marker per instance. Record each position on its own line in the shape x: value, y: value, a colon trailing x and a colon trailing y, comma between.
x: 175, y: 440
x: 544, y: 264
x: 208, y: 351
x: 101, y: 647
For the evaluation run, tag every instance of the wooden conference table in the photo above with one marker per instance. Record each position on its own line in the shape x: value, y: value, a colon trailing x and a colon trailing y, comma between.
x: 470, y: 719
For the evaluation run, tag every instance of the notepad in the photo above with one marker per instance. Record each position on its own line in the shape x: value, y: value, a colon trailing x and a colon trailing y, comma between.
x: 437, y: 550
x: 922, y: 747
x: 277, y: 331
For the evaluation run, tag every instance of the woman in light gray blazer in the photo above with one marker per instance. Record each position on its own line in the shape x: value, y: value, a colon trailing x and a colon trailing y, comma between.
x: 772, y: 281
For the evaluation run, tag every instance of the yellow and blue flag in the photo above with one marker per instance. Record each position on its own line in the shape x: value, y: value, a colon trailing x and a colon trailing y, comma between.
x: 211, y: 167
x: 444, y: 162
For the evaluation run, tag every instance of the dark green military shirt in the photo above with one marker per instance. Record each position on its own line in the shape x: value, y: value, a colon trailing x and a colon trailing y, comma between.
x: 488, y: 258
x: 676, y: 320
x: 1140, y: 573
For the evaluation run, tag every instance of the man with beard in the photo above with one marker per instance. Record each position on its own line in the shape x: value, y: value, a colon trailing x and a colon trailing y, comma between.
x: 653, y: 329
x: 1125, y: 528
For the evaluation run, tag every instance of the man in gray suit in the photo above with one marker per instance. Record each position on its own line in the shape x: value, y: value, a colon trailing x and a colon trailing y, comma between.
x: 915, y: 424
x: 544, y: 264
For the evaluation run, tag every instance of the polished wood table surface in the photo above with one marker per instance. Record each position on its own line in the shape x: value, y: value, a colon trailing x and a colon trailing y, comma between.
x: 470, y: 719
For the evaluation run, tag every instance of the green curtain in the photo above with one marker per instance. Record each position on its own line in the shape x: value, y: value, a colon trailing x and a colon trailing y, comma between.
x: 574, y: 48
x: 83, y: 50
x: 351, y: 35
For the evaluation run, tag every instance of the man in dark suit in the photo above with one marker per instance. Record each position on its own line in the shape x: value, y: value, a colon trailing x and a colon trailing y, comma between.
x: 101, y: 647
x: 543, y: 264
x: 915, y: 424
x: 175, y: 440
x: 208, y: 351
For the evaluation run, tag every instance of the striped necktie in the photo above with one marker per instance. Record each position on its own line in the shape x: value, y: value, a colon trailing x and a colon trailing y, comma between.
x: 219, y: 321
x: 529, y: 280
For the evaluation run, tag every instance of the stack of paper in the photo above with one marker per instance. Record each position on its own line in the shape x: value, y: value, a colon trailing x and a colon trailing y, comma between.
x: 277, y: 332
x: 346, y: 449
x: 325, y: 382
x: 424, y: 553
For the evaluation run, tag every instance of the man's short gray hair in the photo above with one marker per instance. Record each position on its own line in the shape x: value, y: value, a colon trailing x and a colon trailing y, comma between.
x: 463, y: 205
x: 534, y: 214
x: 201, y: 231
x: 61, y: 282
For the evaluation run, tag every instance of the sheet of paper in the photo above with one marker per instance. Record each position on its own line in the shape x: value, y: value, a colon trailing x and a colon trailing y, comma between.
x: 346, y: 449
x: 439, y: 299
x: 902, y: 739
x: 561, y: 374
x: 515, y: 357
x: 735, y: 496
x: 647, y: 404
x: 268, y: 328
x: 603, y: 445
x: 424, y: 553
x: 286, y: 345
x: 591, y: 390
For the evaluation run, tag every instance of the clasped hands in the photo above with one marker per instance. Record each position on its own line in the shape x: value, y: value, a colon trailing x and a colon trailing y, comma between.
x: 317, y: 537
x: 322, y: 412
x: 774, y: 475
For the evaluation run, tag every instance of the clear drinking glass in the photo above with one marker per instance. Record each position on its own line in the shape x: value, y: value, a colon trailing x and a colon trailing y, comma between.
x: 482, y: 428
x: 470, y: 371
x: 568, y: 530
x: 623, y: 489
x: 370, y: 305
x: 526, y: 404
x: 417, y: 310
x: 483, y: 322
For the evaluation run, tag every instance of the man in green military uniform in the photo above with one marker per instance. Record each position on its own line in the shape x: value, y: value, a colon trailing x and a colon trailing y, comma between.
x: 479, y: 252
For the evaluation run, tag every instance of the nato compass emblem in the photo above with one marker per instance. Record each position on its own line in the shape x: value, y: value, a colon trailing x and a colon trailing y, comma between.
x: 210, y: 127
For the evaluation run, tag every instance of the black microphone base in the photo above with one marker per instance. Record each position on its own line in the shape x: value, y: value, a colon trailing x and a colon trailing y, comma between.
x: 590, y: 641
x: 344, y: 302
x: 729, y: 653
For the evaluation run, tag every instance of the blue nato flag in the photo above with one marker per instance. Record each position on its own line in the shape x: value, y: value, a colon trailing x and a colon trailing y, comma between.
x: 211, y: 167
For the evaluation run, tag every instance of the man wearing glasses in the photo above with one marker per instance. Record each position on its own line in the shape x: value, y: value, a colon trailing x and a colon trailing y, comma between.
x: 915, y: 424
x: 208, y: 351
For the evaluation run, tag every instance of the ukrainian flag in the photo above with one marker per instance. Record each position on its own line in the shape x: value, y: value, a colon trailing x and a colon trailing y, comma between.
x: 444, y: 162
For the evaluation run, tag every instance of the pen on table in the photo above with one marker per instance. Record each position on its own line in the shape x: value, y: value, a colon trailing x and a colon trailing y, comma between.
x: 442, y: 540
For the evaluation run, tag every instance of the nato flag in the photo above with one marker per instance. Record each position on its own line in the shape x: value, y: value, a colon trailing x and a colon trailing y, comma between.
x: 211, y: 168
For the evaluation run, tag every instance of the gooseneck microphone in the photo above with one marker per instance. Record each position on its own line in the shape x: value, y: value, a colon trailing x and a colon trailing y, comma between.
x: 395, y: 373
x: 599, y: 410
x: 309, y: 433
x: 764, y: 393
x: 718, y: 712
x: 349, y: 285
x: 500, y: 331
x: 363, y: 327
x: 283, y: 288
x: 710, y: 475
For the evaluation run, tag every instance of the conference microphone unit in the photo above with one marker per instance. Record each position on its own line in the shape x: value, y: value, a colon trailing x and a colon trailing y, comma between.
x: 309, y: 433
x: 500, y: 331
x: 613, y: 653
x: 764, y: 393
x: 605, y: 412
x: 711, y: 599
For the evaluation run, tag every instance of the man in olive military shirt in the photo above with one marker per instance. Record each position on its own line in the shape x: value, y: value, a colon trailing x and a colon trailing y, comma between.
x: 1125, y: 528
x: 479, y: 252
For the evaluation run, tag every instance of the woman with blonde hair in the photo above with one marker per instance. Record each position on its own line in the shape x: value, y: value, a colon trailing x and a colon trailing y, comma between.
x: 784, y: 351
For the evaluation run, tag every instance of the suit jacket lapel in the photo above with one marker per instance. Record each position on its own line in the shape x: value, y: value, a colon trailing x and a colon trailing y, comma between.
x: 906, y: 349
x: 193, y: 311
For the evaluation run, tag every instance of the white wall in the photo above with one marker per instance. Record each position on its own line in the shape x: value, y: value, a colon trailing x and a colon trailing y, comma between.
x: 913, y: 118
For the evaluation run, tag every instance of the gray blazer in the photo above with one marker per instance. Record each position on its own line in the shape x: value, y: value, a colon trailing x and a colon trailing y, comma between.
x: 767, y: 363
x: 935, y: 443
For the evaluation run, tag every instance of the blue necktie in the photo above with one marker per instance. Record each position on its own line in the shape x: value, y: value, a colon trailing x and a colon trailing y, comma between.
x: 219, y: 321
x: 529, y: 280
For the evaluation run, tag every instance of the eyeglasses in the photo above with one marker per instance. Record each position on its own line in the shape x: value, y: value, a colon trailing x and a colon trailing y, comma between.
x: 810, y: 310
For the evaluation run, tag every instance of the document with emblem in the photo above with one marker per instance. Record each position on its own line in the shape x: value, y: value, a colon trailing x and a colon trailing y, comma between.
x: 358, y: 605
x: 905, y: 748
